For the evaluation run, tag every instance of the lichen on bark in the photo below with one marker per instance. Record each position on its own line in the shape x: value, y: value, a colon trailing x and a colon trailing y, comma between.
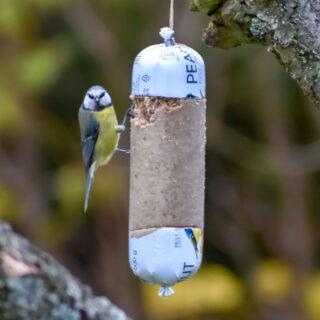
x: 289, y: 28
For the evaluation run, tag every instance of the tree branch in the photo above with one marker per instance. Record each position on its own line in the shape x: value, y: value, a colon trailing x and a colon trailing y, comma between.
x: 289, y: 28
x: 35, y: 286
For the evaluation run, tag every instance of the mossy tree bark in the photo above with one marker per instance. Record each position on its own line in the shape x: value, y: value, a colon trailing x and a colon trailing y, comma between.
x: 289, y: 28
x: 34, y: 286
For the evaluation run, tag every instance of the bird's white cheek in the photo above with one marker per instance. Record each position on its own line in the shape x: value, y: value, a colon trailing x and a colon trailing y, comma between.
x: 105, y: 101
x: 89, y: 103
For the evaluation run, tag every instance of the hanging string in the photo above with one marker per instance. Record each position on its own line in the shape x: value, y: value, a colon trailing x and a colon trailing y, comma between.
x: 171, y: 14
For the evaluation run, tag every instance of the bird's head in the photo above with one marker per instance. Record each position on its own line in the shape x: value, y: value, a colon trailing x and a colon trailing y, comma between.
x: 96, y: 98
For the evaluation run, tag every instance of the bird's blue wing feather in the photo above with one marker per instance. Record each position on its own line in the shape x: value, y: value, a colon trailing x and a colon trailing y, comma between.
x: 89, y: 180
x: 89, y: 129
x: 188, y: 232
x: 87, y: 152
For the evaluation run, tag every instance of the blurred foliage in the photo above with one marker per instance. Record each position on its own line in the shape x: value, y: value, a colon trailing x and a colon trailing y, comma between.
x: 273, y: 281
x: 261, y: 253
x: 312, y: 296
x: 9, y: 205
x: 40, y: 67
x: 12, y: 117
x: 214, y: 289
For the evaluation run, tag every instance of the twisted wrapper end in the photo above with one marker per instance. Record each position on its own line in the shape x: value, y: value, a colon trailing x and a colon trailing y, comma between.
x: 165, y: 291
x: 167, y: 34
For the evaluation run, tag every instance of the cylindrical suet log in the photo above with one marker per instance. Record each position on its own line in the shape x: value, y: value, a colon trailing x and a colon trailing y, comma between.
x: 167, y: 163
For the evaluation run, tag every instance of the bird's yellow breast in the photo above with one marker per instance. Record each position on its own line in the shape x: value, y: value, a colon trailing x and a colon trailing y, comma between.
x: 108, y: 137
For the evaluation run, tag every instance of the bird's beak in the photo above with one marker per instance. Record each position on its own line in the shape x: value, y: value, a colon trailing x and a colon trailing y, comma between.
x: 97, y: 101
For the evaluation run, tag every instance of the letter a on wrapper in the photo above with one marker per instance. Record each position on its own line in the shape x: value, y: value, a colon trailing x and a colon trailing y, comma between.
x: 167, y: 163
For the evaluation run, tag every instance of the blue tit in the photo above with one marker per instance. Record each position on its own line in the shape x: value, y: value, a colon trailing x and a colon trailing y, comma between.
x: 99, y: 131
x: 194, y: 235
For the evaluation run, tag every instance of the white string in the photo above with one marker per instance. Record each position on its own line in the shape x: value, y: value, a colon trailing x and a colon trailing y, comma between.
x: 171, y: 14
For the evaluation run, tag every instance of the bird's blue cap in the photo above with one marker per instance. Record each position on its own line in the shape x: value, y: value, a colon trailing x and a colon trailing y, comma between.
x: 96, y: 87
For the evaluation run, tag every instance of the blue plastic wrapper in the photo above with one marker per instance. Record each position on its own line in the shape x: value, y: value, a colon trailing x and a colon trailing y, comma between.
x: 168, y: 70
x: 166, y: 256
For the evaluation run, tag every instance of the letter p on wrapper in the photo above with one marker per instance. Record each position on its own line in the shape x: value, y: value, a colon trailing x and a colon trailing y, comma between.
x: 167, y: 165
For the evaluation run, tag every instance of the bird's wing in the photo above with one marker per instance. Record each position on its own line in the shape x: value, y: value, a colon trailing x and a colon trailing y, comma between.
x: 89, y: 130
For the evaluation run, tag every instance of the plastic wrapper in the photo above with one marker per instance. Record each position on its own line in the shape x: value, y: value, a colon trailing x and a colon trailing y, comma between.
x: 152, y: 253
x: 168, y: 70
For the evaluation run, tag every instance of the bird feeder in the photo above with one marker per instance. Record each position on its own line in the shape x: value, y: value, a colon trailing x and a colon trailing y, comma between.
x: 167, y: 163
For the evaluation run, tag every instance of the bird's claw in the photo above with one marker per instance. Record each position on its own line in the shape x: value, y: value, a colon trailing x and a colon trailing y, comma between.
x: 131, y: 114
x: 130, y: 111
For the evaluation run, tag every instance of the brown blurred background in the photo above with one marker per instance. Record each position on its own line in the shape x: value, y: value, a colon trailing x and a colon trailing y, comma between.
x: 261, y: 255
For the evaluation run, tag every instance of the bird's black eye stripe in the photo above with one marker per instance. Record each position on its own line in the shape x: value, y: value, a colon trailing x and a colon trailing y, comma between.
x: 101, y: 95
x: 90, y: 96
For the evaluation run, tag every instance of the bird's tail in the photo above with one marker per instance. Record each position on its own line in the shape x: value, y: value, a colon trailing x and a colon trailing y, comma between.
x: 89, y: 180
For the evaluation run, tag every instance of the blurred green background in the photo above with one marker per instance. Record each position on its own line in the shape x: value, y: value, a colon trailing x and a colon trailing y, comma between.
x: 261, y: 254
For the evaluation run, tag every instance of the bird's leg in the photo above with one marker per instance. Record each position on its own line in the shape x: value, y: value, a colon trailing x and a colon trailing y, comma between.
x: 121, y: 127
x: 128, y: 113
x: 122, y: 150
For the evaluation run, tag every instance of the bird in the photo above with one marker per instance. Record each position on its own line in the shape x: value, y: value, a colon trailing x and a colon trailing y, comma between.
x: 194, y: 235
x: 99, y: 130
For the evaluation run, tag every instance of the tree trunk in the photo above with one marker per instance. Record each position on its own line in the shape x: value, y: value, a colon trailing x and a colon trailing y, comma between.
x: 34, y: 286
x: 289, y: 28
